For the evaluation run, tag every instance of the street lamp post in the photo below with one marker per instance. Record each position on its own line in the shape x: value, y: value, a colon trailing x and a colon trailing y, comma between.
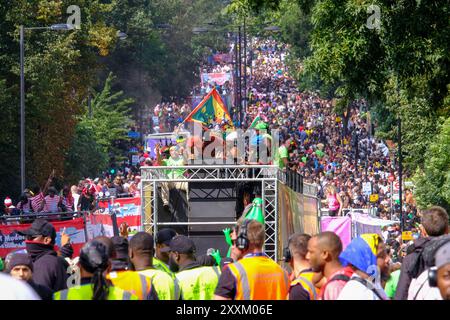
x: 22, y: 93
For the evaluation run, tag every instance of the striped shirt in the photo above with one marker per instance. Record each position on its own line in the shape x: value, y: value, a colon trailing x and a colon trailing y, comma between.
x: 36, y: 202
x: 51, y: 204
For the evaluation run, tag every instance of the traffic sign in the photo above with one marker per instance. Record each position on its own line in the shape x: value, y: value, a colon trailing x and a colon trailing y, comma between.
x: 367, y: 188
x: 374, y: 198
x: 396, y: 186
x: 407, y: 236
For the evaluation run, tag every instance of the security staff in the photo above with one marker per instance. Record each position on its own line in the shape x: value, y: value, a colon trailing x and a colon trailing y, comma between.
x: 141, y: 255
x: 94, y: 260
x: 196, y: 282
x: 255, y: 276
x: 161, y: 259
x: 127, y: 280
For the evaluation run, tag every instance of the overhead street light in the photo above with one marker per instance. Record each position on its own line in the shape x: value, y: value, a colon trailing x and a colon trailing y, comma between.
x: 62, y: 26
x: 55, y: 27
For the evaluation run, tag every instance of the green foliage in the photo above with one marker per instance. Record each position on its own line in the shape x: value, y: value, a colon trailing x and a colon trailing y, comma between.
x: 94, y: 136
x: 433, y: 182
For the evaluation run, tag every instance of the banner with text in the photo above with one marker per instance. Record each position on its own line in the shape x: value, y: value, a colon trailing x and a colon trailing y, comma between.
x: 127, y: 210
x: 219, y: 78
x: 11, y: 240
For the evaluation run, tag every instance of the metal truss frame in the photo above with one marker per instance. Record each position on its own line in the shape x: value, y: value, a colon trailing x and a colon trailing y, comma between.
x: 151, y: 177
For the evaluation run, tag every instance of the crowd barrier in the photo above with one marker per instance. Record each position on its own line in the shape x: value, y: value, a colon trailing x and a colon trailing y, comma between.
x: 72, y: 223
x: 80, y: 226
x: 353, y: 224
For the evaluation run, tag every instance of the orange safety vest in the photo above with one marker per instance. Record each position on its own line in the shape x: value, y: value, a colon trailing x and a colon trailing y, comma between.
x: 131, y: 281
x: 259, y: 278
x: 305, y: 279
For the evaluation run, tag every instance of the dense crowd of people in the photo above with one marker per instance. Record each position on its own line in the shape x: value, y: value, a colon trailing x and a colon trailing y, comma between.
x: 339, y: 155
x: 316, y: 267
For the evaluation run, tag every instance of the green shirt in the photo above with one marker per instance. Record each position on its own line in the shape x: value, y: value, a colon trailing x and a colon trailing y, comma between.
x: 320, y: 153
x: 175, y: 173
x: 282, y: 153
x: 391, y: 284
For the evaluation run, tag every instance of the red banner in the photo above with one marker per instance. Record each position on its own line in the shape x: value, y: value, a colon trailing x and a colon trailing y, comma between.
x: 10, y: 240
x: 127, y: 210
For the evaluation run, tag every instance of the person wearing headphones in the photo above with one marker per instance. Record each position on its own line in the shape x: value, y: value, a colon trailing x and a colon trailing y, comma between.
x: 94, y: 261
x: 439, y: 275
x: 303, y: 280
x: 254, y: 276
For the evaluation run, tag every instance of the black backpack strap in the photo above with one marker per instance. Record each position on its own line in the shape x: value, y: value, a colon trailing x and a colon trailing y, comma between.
x: 370, y: 287
x: 341, y: 277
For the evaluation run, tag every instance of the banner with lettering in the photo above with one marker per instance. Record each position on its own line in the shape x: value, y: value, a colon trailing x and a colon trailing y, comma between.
x: 11, y: 240
x: 219, y: 78
x: 127, y: 210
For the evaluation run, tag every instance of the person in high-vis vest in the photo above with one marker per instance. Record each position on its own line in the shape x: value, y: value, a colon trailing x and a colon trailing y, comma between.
x: 304, y: 282
x: 94, y: 261
x: 254, y: 276
x: 120, y: 275
x: 141, y: 253
x: 161, y: 259
x: 196, y: 282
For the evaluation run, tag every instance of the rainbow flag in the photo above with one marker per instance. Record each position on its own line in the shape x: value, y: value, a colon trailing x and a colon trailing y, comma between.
x: 210, y: 109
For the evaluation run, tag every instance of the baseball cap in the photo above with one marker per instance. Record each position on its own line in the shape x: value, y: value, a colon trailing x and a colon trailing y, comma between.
x: 120, y: 246
x: 40, y: 227
x: 180, y: 244
x: 165, y: 235
x: 443, y: 255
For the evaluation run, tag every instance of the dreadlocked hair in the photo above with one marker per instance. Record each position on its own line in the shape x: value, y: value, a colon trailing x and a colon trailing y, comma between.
x: 100, y: 286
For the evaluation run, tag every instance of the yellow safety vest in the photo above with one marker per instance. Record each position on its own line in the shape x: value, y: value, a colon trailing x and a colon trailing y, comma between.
x: 166, y: 287
x: 85, y: 292
x: 159, y: 265
x: 198, y: 283
x: 131, y: 281
x: 305, y: 280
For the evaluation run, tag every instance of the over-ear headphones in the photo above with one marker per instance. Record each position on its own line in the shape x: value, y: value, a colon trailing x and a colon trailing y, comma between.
x: 432, y: 277
x: 287, y: 255
x: 242, y: 242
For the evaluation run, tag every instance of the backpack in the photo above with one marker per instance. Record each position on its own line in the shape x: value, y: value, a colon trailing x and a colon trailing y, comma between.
x: 419, y: 288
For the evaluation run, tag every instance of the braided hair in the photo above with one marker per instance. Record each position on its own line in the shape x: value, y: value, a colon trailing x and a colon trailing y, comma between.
x: 94, y: 259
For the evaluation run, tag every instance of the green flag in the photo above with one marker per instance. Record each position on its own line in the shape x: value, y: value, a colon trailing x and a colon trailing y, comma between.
x: 256, y: 212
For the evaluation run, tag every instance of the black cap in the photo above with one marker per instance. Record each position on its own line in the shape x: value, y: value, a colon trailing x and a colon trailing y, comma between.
x: 165, y: 235
x: 40, y: 227
x: 121, y: 247
x: 180, y: 244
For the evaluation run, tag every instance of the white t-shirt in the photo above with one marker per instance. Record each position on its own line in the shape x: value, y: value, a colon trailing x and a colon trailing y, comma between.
x: 419, y: 289
x: 12, y: 289
x: 355, y: 290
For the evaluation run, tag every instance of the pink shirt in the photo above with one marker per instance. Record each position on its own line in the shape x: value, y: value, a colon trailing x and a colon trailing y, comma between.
x: 333, y: 203
x: 332, y: 289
